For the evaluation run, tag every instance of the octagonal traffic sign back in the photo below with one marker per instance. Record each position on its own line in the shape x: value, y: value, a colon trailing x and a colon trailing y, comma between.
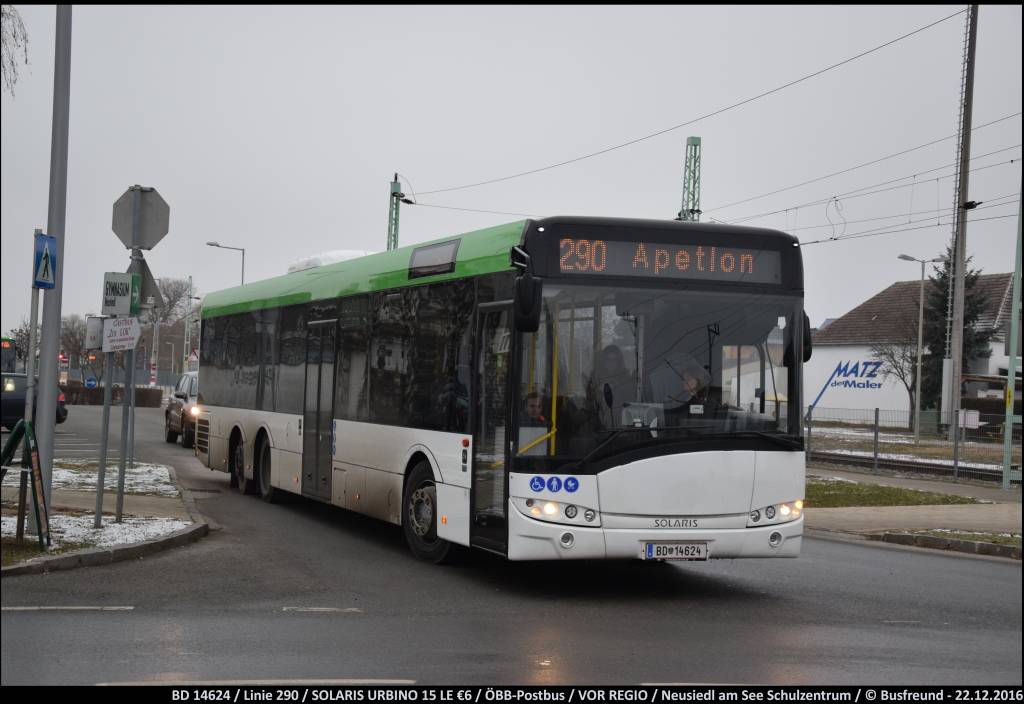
x: 154, y: 217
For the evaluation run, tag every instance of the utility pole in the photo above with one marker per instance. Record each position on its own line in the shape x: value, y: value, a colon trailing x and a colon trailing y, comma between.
x: 955, y: 337
x: 187, y: 345
x: 689, y: 211
x: 1013, y: 331
x: 394, y: 202
x: 46, y: 412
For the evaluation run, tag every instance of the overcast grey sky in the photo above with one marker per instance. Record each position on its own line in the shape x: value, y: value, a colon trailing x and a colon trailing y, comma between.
x: 277, y: 129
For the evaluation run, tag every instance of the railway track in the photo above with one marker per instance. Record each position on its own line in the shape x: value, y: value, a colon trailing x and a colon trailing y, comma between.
x: 942, y: 470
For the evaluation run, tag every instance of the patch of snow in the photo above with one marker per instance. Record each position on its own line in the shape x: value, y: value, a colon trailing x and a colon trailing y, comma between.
x: 824, y: 478
x: 77, y: 475
x: 914, y: 458
x: 78, y: 529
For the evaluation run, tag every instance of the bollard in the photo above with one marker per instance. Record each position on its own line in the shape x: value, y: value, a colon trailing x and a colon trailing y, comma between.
x: 876, y: 441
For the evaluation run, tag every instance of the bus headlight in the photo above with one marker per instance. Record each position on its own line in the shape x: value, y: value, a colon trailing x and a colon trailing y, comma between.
x: 776, y: 513
x: 557, y: 512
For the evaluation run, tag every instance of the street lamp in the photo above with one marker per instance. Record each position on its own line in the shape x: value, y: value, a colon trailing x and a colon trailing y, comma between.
x: 920, y: 327
x: 237, y: 249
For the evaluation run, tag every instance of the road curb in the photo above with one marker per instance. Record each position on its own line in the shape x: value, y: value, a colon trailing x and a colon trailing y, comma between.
x: 934, y: 542
x: 103, y: 556
x: 914, y: 540
x: 92, y: 557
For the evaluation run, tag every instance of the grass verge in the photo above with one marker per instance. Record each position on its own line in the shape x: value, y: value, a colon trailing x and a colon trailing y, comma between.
x: 838, y: 494
x: 12, y: 552
x: 996, y: 538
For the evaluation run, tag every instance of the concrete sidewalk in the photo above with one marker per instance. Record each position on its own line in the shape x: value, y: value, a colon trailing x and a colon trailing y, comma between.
x: 134, y: 504
x: 981, y: 518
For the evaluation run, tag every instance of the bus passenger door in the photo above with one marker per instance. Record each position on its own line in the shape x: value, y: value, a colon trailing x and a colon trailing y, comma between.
x: 490, y: 427
x: 317, y: 419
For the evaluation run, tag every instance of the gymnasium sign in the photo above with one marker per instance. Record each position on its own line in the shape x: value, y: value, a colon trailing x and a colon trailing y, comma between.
x: 669, y: 261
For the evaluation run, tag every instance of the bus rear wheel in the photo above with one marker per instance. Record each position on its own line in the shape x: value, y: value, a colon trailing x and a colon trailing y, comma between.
x: 419, y: 516
x: 267, y: 492
x: 245, y: 486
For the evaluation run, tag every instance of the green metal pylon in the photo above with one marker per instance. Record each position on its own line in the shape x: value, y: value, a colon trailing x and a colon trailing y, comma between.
x: 690, y: 210
x: 394, y: 201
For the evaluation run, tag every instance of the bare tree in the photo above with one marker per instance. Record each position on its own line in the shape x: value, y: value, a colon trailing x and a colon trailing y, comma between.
x: 15, y: 42
x: 72, y: 339
x: 175, y: 303
x: 899, y: 356
x: 20, y: 335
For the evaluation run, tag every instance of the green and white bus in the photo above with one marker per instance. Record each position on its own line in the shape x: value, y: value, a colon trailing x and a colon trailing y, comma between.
x: 563, y: 388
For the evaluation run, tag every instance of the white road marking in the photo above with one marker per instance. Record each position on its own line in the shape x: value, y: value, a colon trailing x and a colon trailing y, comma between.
x: 67, y: 608
x: 322, y: 609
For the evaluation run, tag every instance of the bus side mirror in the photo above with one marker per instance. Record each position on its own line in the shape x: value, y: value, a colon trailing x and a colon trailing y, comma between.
x: 527, y: 304
x: 807, y: 338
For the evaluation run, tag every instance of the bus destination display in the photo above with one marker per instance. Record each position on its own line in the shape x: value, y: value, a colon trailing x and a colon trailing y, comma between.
x: 666, y: 260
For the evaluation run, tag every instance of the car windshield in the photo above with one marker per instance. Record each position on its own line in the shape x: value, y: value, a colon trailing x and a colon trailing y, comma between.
x: 648, y: 366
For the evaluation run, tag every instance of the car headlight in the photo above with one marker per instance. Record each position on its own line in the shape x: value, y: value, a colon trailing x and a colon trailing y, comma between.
x: 775, y: 513
x: 557, y: 512
x: 195, y: 410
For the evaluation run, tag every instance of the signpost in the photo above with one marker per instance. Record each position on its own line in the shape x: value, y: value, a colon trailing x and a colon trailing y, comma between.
x: 141, y: 218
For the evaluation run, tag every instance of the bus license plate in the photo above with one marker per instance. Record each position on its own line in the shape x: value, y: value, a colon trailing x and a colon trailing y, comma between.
x: 676, y: 551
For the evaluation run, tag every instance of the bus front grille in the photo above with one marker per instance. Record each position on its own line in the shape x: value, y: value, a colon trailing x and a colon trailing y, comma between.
x: 203, y: 435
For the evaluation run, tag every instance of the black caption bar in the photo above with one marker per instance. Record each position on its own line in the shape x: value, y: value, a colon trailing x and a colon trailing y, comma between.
x: 236, y: 693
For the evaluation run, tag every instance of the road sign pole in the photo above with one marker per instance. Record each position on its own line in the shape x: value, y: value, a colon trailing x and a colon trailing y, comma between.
x: 129, y: 382
x: 108, y: 374
x: 46, y: 411
x: 30, y: 357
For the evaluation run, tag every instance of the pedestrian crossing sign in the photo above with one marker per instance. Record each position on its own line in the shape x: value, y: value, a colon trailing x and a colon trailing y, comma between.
x: 44, y: 272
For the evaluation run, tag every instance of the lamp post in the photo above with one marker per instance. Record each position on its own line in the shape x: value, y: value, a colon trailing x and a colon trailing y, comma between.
x: 237, y: 249
x: 920, y: 328
x: 172, y: 354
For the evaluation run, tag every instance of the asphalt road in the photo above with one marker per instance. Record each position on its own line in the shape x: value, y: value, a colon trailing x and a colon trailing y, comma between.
x: 231, y: 607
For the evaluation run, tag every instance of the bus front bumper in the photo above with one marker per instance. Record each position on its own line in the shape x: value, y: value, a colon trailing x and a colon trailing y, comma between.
x: 531, y: 539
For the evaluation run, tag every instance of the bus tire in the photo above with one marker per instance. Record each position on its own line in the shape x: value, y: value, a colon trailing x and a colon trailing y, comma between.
x: 245, y: 486
x: 267, y: 492
x: 419, y: 516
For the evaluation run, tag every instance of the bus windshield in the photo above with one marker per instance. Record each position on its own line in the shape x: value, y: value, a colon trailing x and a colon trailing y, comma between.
x: 642, y: 367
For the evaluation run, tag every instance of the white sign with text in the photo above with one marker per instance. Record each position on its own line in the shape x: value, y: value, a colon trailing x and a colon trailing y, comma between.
x: 120, y: 334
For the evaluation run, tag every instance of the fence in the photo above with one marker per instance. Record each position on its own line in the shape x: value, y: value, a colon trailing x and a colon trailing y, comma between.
x: 884, y: 439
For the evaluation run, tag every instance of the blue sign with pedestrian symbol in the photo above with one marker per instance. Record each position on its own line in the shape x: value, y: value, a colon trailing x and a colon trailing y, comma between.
x: 537, y: 483
x: 572, y: 484
x: 554, y: 484
x: 44, y: 269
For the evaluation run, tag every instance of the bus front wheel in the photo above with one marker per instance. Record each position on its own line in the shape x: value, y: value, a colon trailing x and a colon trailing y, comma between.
x: 419, y: 516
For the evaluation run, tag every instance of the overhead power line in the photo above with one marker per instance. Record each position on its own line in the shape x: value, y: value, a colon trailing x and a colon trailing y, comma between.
x: 697, y: 119
x: 860, y: 192
x: 988, y: 201
x: 886, y: 231
x: 858, y: 166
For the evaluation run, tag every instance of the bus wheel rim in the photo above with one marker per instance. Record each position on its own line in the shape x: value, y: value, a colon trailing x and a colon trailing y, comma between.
x: 421, y: 511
